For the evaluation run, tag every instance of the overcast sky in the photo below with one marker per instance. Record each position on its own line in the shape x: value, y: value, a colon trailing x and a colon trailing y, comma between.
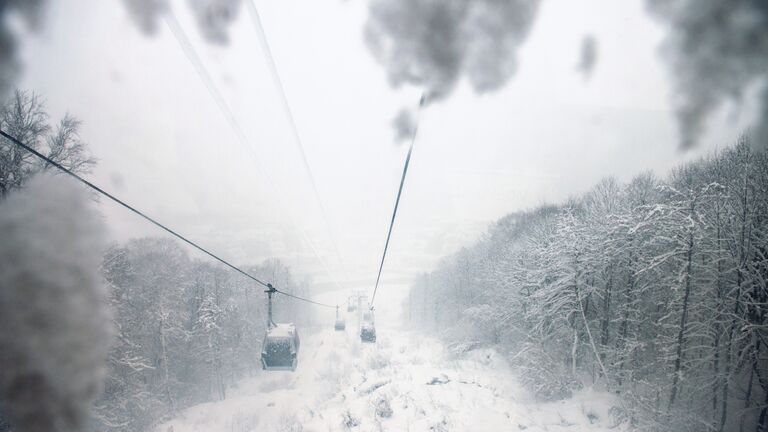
x: 163, y: 145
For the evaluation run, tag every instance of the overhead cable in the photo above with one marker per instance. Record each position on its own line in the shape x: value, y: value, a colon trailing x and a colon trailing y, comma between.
x: 202, y: 72
x: 256, y: 20
x: 397, y: 201
x: 148, y: 218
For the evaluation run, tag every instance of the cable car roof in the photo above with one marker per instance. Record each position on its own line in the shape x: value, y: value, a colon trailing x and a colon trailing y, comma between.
x: 282, y: 330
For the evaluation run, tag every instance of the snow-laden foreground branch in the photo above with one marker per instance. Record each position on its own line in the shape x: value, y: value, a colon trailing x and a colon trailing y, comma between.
x: 54, y: 317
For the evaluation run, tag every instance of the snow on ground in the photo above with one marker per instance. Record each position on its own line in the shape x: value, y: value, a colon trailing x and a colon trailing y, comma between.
x: 404, y: 382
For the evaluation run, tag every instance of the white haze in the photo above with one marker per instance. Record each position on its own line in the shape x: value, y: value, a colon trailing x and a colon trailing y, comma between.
x: 213, y: 17
x: 545, y: 135
x: 26, y: 14
x: 716, y: 50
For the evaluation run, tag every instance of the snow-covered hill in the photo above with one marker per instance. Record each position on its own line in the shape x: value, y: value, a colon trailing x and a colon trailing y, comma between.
x: 405, y: 382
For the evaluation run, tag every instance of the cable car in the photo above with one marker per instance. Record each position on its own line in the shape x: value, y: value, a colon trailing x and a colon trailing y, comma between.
x: 340, y: 324
x: 367, y: 328
x: 367, y: 333
x: 281, y: 348
x: 351, y: 304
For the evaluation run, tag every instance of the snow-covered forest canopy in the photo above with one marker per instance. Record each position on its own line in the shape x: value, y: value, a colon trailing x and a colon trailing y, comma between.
x: 187, y: 330
x: 654, y: 290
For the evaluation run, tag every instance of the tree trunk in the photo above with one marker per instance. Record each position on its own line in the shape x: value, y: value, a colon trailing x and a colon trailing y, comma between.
x: 739, y: 287
x: 683, y: 322
x: 606, y: 321
x: 589, y: 332
x: 748, y: 395
x: 574, y: 351
x: 624, y: 327
x: 762, y: 421
x: 718, y: 330
x: 164, y: 356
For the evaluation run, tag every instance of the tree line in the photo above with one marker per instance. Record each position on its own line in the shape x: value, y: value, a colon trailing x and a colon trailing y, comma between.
x: 186, y: 330
x: 24, y: 117
x: 656, y: 290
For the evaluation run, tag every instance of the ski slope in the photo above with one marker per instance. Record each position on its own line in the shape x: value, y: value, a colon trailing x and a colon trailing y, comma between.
x: 404, y: 382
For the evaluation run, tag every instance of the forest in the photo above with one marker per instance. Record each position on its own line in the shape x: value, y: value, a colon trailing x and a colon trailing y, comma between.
x: 655, y: 290
x: 186, y: 330
x: 183, y: 330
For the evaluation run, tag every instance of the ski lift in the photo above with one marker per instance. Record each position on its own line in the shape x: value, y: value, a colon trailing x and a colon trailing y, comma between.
x: 280, y: 349
x: 367, y: 327
x: 367, y: 333
x: 340, y: 323
x: 351, y: 304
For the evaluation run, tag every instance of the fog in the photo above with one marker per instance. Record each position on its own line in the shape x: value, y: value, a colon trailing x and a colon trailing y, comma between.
x: 176, y: 155
x: 291, y: 171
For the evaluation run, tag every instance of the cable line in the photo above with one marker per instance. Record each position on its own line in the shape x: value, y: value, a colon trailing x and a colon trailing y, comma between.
x: 98, y: 189
x: 202, y: 72
x: 305, y: 300
x: 397, y: 201
x: 129, y: 207
x: 256, y: 20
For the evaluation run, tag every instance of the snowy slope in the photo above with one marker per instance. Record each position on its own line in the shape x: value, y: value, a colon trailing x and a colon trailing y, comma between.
x: 405, y: 382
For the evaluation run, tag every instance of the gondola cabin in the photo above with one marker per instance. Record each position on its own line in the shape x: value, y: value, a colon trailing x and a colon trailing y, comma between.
x: 368, y: 333
x: 351, y: 304
x: 340, y: 325
x: 367, y: 328
x: 281, y: 348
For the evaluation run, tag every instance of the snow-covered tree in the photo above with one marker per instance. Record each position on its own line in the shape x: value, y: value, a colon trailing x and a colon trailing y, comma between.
x: 23, y: 116
x: 655, y: 290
